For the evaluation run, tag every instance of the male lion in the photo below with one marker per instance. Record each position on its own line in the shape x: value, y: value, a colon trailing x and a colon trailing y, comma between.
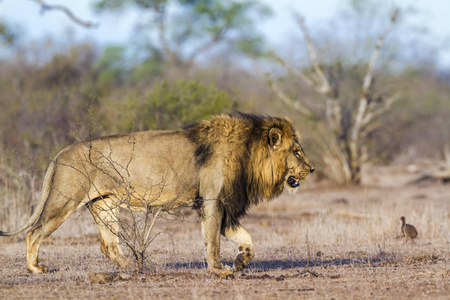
x: 220, y: 167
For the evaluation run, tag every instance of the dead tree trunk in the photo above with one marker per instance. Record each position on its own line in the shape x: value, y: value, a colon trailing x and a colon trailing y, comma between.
x: 342, y: 136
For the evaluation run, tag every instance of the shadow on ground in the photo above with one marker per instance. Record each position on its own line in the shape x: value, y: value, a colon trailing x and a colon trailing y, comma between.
x: 268, y: 265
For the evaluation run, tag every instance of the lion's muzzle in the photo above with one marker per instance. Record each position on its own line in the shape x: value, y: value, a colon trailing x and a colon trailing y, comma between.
x: 293, y: 182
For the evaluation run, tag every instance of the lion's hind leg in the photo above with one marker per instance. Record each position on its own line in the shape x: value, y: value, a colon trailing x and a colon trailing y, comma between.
x: 106, y: 215
x: 35, y: 237
x: 244, y: 241
x: 56, y: 211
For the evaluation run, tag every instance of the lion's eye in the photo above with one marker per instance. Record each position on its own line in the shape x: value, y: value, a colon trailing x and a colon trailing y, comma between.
x: 297, y: 153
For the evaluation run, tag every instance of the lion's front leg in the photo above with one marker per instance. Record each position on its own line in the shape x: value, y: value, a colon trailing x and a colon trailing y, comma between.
x: 211, y: 219
x: 243, y: 239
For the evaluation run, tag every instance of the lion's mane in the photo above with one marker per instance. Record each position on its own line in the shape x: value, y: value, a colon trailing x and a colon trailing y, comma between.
x: 252, y: 170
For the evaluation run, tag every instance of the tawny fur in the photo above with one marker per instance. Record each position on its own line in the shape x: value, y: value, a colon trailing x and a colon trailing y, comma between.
x: 220, y: 166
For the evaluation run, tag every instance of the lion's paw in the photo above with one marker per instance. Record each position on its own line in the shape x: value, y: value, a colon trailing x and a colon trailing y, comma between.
x: 239, y: 263
x: 38, y: 269
x: 243, y: 258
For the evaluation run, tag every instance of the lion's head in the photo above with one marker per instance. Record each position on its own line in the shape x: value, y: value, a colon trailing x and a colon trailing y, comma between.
x: 297, y: 165
x: 278, y: 158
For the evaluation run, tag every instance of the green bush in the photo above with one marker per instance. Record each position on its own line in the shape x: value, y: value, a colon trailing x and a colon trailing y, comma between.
x: 171, y: 104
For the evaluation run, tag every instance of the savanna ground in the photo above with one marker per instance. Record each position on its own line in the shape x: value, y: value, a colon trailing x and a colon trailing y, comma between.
x: 347, y: 237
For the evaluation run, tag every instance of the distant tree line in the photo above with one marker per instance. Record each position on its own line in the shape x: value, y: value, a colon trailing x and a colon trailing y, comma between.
x: 186, y: 69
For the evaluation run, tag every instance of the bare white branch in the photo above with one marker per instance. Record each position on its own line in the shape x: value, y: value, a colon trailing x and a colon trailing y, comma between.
x: 324, y: 87
x: 299, y: 74
x: 333, y: 110
x: 372, y: 115
x: 370, y: 69
x: 361, y: 118
x: 288, y: 101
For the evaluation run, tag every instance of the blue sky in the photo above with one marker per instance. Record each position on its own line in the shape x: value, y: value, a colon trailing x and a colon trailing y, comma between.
x: 434, y: 14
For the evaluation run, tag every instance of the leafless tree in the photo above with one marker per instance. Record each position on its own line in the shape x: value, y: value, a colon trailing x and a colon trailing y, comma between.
x: 343, y: 135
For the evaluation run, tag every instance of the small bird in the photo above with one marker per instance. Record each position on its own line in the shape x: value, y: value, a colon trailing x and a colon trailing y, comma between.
x: 408, y: 231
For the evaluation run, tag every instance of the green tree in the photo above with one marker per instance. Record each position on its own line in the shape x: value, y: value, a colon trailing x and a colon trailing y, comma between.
x: 182, y: 30
x: 111, y: 66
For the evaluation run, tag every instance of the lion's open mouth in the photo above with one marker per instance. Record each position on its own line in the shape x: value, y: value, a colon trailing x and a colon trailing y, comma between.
x: 293, y: 182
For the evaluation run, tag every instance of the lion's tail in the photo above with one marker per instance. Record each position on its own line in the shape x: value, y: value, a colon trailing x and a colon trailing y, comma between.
x: 46, y: 188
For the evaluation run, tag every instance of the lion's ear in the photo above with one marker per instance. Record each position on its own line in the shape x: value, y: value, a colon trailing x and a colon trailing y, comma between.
x: 275, y: 138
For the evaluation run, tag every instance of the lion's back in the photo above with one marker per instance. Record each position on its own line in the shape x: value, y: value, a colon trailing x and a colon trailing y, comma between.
x: 143, y: 158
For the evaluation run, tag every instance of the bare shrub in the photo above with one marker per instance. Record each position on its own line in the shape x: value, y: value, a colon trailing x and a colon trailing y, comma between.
x: 135, y: 228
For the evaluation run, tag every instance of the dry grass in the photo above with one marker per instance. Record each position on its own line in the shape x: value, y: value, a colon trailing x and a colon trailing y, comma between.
x: 347, y: 237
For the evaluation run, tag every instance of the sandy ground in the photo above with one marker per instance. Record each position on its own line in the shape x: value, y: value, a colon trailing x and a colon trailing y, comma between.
x: 324, y: 242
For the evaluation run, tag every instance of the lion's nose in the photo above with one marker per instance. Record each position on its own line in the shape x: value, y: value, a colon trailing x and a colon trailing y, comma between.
x: 312, y: 169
